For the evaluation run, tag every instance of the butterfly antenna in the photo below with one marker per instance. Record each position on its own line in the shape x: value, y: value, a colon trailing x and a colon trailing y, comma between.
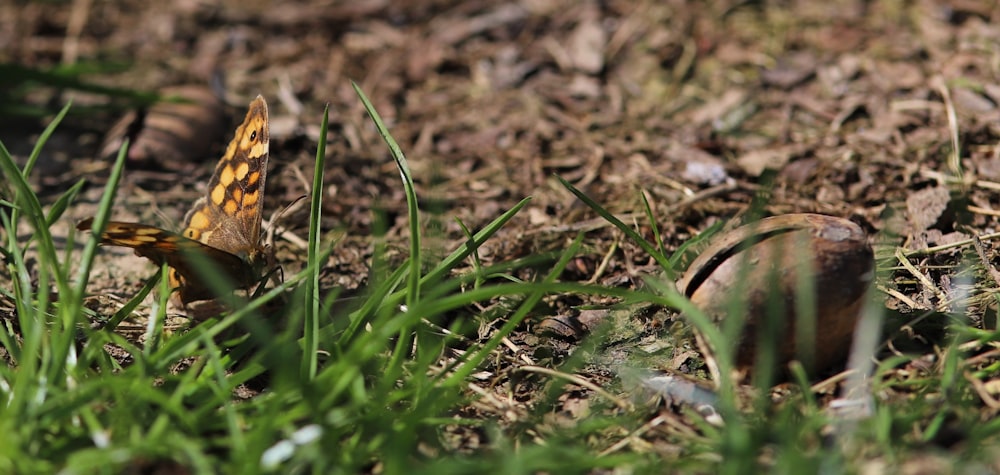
x: 272, y: 223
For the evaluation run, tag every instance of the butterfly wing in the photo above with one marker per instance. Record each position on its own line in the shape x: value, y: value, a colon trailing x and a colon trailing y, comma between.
x: 222, y: 227
x: 162, y: 246
x: 229, y: 216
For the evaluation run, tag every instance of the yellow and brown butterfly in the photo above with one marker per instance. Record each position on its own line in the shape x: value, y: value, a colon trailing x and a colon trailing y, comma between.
x: 223, y: 227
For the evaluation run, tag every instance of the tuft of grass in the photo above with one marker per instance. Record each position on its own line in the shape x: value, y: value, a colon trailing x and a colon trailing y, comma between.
x: 397, y: 379
x: 380, y: 379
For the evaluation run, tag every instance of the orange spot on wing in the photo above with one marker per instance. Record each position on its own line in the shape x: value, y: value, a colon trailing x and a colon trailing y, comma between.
x: 148, y: 231
x: 250, y: 199
x: 140, y: 238
x: 226, y: 176
x: 218, y: 194
x: 199, y: 221
x: 258, y: 150
x: 241, y: 170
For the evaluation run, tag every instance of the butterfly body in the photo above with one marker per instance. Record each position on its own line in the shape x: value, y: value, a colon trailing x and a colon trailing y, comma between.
x: 223, y: 227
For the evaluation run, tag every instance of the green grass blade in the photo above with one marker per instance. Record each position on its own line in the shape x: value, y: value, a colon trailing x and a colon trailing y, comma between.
x: 470, y: 243
x: 682, y: 250
x: 381, y: 296
x: 44, y: 138
x: 62, y: 203
x: 404, y: 341
x: 449, y: 263
x: 654, y: 224
x: 49, y: 270
x: 312, y: 304
x: 20, y: 294
x: 101, y: 219
x: 66, y: 77
x: 650, y: 249
x: 133, y: 303
x: 412, y: 207
x: 385, y: 295
x: 517, y: 317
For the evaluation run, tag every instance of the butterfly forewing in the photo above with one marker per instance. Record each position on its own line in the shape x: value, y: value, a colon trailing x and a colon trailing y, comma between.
x: 223, y: 228
x: 229, y: 216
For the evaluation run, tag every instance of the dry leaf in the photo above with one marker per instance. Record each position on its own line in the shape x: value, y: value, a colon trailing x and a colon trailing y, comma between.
x: 925, y: 206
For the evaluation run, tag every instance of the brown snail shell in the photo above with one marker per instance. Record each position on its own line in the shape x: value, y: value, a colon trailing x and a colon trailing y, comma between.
x: 169, y: 134
x: 842, y: 270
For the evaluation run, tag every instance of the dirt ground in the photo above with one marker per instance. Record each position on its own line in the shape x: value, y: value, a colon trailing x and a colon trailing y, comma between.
x: 848, y: 108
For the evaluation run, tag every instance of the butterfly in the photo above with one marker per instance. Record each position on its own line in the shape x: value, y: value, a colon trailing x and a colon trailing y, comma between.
x: 223, y: 227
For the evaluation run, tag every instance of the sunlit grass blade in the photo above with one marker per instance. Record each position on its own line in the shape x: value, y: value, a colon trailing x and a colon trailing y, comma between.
x: 27, y: 202
x: 62, y: 203
x: 517, y: 316
x: 385, y: 294
x: 412, y: 206
x: 101, y: 219
x: 449, y: 262
x: 681, y: 253
x: 20, y: 292
x: 50, y: 346
x: 175, y: 346
x: 470, y: 243
x: 311, y: 321
x: 158, y: 313
x: 653, y: 224
x: 651, y: 249
x: 43, y: 138
x: 133, y: 303
x: 379, y: 297
x: 403, y: 343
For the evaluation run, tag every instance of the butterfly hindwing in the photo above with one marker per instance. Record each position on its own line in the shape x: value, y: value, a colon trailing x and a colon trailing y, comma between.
x: 162, y: 246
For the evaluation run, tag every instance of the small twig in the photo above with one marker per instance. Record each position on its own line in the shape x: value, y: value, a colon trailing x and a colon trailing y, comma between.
x: 301, y: 178
x: 496, y: 352
x: 656, y: 421
x: 985, y: 211
x: 674, y: 184
x: 584, y: 226
x: 965, y: 181
x: 924, y: 280
x: 902, y: 298
x: 598, y: 223
x: 579, y: 381
x: 831, y: 382
x: 604, y: 262
x: 74, y: 27
x: 504, y: 408
x: 729, y: 185
x: 981, y: 391
x: 517, y: 351
x: 954, y: 158
x: 286, y: 94
x: 945, y: 247
x: 272, y: 224
x: 982, y: 357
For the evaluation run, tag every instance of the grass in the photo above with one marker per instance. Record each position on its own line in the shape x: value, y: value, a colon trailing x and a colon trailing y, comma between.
x: 397, y: 381
x: 17, y: 81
